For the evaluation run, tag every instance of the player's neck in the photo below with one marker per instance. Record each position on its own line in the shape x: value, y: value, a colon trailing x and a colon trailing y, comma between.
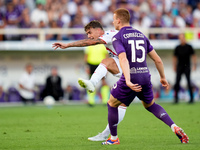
x: 183, y: 43
x: 124, y: 25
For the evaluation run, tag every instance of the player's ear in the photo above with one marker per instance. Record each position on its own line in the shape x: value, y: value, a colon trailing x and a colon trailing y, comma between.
x: 118, y: 21
x: 99, y: 30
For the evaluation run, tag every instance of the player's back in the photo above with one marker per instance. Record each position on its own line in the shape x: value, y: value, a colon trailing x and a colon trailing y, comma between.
x: 136, y: 46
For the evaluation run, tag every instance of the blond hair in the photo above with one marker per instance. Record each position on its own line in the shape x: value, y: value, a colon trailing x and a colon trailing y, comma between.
x: 123, y: 15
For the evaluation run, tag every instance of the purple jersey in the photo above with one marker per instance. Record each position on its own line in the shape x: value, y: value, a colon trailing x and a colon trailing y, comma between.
x: 13, y: 15
x: 136, y: 46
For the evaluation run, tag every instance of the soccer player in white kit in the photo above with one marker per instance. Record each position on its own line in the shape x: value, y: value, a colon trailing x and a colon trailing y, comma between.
x: 96, y: 35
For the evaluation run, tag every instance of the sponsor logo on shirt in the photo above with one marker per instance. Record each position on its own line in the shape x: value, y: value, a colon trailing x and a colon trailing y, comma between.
x: 135, y: 70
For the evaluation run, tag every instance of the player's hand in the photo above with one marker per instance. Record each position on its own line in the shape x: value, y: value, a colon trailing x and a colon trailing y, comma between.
x: 134, y: 87
x: 164, y: 83
x: 59, y: 45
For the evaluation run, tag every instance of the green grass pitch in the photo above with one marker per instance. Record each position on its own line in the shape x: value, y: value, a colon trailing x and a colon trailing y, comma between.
x: 67, y: 127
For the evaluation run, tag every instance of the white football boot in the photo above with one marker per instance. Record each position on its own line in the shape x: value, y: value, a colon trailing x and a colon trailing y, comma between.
x: 98, y: 137
x: 87, y: 84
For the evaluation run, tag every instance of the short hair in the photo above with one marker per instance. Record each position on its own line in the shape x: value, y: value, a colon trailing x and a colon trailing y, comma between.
x: 123, y: 15
x: 54, y: 67
x: 29, y: 64
x: 93, y: 24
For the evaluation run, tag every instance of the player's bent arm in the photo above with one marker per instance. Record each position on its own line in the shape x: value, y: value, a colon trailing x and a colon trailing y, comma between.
x: 126, y: 71
x: 160, y: 67
x: 22, y: 87
x: 158, y: 62
x: 125, y: 66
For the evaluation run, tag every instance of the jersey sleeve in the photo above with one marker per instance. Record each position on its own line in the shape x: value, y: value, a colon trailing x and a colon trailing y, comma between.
x: 118, y: 46
x: 149, y: 46
x: 107, y: 36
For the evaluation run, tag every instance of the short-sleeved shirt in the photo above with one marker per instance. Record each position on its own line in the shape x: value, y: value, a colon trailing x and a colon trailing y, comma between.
x: 107, y: 37
x: 183, y: 54
x: 28, y: 81
x: 136, y: 46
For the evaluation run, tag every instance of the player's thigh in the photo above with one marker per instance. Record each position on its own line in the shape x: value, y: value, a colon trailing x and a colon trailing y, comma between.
x: 113, y: 102
x: 146, y: 96
x: 111, y: 65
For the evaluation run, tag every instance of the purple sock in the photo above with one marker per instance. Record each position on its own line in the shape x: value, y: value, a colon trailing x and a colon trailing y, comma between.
x: 112, y: 119
x: 160, y: 113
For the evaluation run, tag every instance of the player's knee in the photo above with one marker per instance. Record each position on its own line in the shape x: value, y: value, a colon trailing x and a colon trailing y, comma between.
x: 110, y: 103
x: 147, y: 105
x: 113, y: 103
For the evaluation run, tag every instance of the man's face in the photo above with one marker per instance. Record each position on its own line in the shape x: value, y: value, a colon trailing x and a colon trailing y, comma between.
x: 29, y: 69
x: 54, y: 72
x: 93, y: 33
x: 182, y: 38
x: 115, y: 22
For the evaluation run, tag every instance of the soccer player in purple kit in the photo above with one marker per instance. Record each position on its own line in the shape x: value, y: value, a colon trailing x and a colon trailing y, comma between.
x: 132, y: 47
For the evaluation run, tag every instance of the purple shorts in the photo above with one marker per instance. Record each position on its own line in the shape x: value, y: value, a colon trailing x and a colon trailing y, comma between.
x: 125, y: 95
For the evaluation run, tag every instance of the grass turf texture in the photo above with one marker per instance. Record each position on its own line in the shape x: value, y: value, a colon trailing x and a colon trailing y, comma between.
x: 68, y: 127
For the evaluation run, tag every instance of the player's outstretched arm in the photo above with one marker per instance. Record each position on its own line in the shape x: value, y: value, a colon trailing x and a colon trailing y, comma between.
x: 80, y: 43
x: 59, y: 45
x: 160, y: 67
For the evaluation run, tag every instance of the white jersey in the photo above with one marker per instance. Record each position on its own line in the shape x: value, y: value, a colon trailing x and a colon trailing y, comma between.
x: 28, y: 81
x: 107, y: 37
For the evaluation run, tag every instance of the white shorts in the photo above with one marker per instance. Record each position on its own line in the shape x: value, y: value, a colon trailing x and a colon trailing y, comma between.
x: 118, y: 65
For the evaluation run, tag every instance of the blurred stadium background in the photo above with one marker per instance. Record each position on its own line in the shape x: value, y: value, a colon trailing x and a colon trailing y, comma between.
x: 29, y: 27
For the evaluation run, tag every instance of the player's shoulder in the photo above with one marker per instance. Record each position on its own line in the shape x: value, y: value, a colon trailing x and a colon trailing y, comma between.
x: 107, y: 36
x: 188, y: 44
x: 110, y: 32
